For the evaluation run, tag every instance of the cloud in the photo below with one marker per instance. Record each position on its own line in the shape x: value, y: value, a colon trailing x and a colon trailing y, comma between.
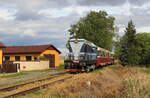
x: 46, y: 31
x: 110, y: 2
x: 100, y: 2
x: 6, y: 14
x: 27, y: 22
x: 138, y: 2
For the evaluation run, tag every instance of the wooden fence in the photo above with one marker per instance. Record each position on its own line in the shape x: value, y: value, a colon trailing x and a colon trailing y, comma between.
x: 9, y: 68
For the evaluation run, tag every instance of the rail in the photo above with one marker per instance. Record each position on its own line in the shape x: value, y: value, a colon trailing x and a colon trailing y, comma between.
x: 17, y: 90
x: 24, y: 92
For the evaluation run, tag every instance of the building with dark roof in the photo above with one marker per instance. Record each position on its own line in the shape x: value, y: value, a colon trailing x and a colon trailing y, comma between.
x: 32, y: 53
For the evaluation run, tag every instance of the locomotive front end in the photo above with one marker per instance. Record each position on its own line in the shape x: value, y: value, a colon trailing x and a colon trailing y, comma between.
x: 74, y: 58
x: 81, y: 54
x: 85, y: 56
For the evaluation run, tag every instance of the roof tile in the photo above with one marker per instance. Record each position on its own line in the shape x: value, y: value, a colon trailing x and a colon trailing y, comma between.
x: 2, y: 45
x: 28, y: 49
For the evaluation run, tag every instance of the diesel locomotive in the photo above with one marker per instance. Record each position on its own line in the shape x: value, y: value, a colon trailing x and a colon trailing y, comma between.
x: 85, y: 56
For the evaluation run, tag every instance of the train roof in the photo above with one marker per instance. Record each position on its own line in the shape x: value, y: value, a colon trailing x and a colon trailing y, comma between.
x: 91, y: 44
x: 83, y: 40
x: 104, y: 50
x: 79, y: 40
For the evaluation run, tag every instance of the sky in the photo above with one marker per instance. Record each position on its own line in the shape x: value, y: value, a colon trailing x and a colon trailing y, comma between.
x: 35, y: 22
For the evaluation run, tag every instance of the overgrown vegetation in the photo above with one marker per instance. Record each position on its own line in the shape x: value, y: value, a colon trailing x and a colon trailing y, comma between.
x: 136, y: 85
x: 110, y: 82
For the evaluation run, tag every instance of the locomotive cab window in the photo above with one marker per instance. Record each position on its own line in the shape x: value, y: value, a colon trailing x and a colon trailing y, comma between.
x: 94, y: 50
x: 89, y: 49
x: 84, y: 48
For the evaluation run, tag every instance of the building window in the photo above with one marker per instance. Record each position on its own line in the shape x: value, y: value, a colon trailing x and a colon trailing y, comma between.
x: 17, y: 58
x: 7, y: 58
x: 28, y: 58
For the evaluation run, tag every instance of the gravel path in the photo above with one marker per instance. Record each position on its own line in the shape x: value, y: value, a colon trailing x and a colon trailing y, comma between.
x: 30, y: 75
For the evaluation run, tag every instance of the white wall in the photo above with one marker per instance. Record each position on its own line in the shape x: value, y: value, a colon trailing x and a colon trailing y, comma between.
x: 33, y: 65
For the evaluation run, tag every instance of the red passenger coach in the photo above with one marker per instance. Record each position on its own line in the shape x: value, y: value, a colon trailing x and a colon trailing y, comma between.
x: 104, y: 57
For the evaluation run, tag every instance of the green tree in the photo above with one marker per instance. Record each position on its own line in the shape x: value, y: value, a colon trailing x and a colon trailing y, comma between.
x: 144, y: 48
x: 128, y: 55
x: 117, y: 46
x: 96, y: 27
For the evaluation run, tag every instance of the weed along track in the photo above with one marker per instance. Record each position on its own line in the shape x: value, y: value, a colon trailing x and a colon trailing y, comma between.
x: 22, y: 89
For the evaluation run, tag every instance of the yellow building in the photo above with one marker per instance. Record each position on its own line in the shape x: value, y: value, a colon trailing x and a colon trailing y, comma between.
x: 32, y: 53
x: 1, y: 52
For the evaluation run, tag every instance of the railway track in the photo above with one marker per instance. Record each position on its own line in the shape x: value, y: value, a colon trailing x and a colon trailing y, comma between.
x: 25, y: 88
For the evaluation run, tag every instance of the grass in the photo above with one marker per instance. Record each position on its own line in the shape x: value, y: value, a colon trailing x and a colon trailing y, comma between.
x: 114, y: 68
x: 146, y: 71
x: 14, y: 75
x: 97, y: 70
x: 40, y: 93
x: 61, y: 67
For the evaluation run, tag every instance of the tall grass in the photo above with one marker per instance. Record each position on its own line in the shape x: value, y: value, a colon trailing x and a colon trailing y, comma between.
x: 136, y: 87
